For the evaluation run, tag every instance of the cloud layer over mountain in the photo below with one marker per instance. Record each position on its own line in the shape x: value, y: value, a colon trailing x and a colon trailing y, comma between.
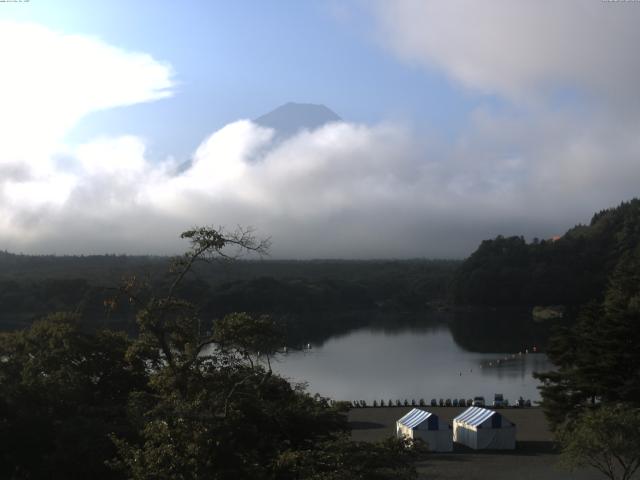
x: 343, y: 190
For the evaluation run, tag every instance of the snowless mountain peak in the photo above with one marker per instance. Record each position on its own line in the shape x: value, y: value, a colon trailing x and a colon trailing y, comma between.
x: 290, y: 118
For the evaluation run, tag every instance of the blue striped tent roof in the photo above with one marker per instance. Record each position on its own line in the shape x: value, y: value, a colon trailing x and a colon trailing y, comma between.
x: 414, y: 418
x: 475, y: 416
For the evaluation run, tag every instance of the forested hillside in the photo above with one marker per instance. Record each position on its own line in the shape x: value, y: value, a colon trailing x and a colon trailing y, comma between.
x: 506, y: 271
x: 570, y: 270
x: 33, y: 286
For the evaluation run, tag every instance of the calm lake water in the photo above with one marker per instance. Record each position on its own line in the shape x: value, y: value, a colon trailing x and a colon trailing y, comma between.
x: 417, y: 362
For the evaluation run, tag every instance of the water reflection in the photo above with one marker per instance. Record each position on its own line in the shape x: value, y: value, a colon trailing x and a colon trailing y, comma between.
x: 417, y: 361
x: 498, y: 330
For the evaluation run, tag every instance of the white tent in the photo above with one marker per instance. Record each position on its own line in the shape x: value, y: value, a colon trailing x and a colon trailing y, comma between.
x: 480, y: 428
x: 426, y: 426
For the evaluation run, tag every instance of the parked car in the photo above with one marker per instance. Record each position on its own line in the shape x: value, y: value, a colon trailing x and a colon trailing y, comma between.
x: 498, y: 400
x: 478, y: 402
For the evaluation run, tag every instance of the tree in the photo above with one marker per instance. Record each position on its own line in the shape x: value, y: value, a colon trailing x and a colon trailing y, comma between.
x: 62, y: 392
x: 344, y: 459
x: 605, y: 438
x: 251, y: 338
x: 187, y: 398
x: 213, y: 409
x: 592, y: 400
x: 571, y: 270
x: 597, y: 358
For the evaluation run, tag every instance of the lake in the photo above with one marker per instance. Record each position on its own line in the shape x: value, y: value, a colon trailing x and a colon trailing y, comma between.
x: 427, y: 361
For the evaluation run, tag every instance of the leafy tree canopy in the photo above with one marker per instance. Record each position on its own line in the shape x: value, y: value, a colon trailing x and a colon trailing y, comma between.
x: 187, y: 398
x: 62, y: 392
x: 572, y: 269
x: 606, y: 439
x: 598, y: 360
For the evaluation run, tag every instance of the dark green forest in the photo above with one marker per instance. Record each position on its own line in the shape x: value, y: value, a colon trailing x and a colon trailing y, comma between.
x: 571, y: 270
x: 502, y: 272
x: 320, y: 298
x: 324, y: 297
x: 151, y: 361
x: 187, y: 397
x: 592, y: 397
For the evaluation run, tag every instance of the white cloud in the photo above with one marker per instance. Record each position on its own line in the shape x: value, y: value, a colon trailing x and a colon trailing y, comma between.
x: 343, y: 190
x: 519, y: 48
x: 50, y: 80
x: 120, y: 156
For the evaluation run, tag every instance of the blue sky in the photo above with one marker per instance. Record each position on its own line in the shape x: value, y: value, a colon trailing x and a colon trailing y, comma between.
x: 462, y: 121
x: 242, y: 59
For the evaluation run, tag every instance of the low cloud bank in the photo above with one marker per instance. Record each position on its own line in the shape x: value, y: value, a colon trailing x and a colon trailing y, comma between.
x: 343, y: 190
